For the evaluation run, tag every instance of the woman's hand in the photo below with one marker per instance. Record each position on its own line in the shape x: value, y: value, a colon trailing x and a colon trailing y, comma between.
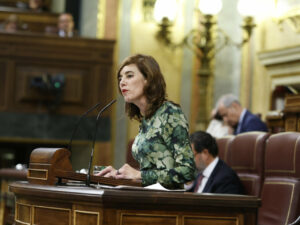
x: 108, y: 172
x: 127, y: 172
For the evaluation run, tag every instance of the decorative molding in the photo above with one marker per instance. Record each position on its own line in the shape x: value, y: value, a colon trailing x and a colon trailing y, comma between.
x: 280, y: 56
x: 282, y: 65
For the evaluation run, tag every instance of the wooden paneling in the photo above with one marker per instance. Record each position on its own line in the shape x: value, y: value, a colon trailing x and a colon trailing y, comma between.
x: 23, y: 213
x: 292, y: 113
x: 136, y: 218
x: 133, y: 207
x: 73, y: 90
x: 86, y: 217
x: 30, y: 21
x: 85, y: 63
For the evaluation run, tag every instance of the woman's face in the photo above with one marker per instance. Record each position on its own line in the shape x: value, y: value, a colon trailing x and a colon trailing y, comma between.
x: 131, y: 83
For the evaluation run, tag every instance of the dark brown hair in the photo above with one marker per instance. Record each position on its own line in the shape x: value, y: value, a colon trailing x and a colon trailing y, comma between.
x: 154, y: 90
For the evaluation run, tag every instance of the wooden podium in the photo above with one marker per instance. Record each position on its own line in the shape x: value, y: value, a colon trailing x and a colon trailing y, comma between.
x: 48, y: 166
x: 42, y: 201
x: 67, y: 205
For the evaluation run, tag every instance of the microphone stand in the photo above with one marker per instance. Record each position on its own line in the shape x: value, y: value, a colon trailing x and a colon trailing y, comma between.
x: 88, y: 176
x: 78, y: 122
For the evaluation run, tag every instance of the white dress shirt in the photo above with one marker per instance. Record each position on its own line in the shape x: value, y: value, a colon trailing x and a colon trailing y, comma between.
x: 206, y: 173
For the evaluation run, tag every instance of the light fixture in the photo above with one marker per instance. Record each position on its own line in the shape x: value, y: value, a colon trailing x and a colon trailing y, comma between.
x: 205, y: 42
x: 210, y: 7
x: 202, y: 42
x: 148, y: 6
x: 165, y: 18
x: 247, y: 9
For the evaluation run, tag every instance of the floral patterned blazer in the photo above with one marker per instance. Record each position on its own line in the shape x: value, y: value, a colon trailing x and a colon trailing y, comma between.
x: 163, y: 149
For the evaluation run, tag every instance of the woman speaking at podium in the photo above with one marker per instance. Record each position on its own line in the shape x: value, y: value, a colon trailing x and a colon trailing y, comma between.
x: 162, y: 145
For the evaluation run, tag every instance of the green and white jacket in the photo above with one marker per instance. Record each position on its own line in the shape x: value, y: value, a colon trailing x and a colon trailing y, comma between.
x: 163, y: 149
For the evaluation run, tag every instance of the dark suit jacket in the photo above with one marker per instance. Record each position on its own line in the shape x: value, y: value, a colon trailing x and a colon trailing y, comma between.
x: 251, y: 122
x: 223, y: 180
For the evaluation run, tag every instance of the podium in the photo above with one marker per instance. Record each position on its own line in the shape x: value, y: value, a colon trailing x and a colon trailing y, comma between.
x: 40, y: 200
x: 49, y: 205
x: 48, y: 166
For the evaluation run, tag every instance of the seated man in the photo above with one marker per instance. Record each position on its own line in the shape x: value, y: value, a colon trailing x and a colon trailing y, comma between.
x: 239, y: 118
x: 37, y: 5
x: 64, y: 28
x: 65, y: 25
x: 11, y: 24
x: 215, y: 176
x: 217, y: 127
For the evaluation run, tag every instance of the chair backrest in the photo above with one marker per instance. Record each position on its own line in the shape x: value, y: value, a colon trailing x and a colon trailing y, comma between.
x: 223, y: 145
x: 281, y: 189
x: 246, y: 157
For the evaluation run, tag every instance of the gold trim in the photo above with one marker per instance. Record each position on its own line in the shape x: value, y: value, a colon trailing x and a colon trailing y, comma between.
x: 149, y: 215
x: 86, y: 212
x: 215, y: 217
x: 291, y: 198
x: 18, y: 221
x: 37, y: 178
x: 101, y: 18
x: 294, y: 158
x: 51, y: 207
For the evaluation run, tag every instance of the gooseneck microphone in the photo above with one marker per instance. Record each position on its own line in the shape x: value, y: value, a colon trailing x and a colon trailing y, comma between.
x: 78, y: 122
x: 88, y: 176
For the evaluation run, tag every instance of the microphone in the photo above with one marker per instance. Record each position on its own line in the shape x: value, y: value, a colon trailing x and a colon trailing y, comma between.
x: 88, y: 176
x: 78, y: 122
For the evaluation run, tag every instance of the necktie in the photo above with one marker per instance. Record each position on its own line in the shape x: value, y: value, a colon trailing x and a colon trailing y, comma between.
x: 199, y: 180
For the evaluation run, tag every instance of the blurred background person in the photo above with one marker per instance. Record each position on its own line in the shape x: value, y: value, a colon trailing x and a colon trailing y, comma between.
x: 65, y: 25
x: 64, y: 28
x: 214, y: 175
x: 239, y: 118
x: 11, y: 24
x: 33, y: 5
x: 37, y: 5
x: 217, y: 127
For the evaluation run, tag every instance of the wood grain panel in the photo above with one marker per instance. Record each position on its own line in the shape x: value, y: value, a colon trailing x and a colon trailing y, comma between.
x: 51, y: 215
x: 86, y: 218
x: 86, y: 64
x: 23, y: 213
x: 73, y: 90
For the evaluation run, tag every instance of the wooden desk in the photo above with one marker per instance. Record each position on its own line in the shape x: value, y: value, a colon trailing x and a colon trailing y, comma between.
x: 37, y: 204
x: 85, y: 63
x: 8, y: 175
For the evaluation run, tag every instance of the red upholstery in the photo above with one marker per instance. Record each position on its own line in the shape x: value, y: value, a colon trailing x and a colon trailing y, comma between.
x: 223, y: 145
x: 246, y: 156
x: 281, y: 189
